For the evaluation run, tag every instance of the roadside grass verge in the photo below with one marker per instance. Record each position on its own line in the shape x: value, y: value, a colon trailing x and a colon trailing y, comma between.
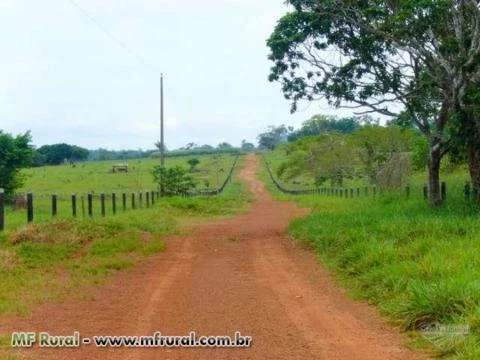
x: 420, y: 266
x: 49, y: 260
x: 46, y: 262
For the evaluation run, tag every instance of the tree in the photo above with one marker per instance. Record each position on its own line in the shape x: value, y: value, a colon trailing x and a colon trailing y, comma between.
x: 246, y: 146
x: 193, y: 162
x: 466, y: 135
x: 191, y: 145
x: 173, y: 181
x: 158, y: 145
x: 273, y: 136
x: 224, y: 145
x: 15, y: 154
x: 377, y: 145
x: 371, y: 54
x: 323, y: 123
x: 324, y: 157
x: 58, y: 153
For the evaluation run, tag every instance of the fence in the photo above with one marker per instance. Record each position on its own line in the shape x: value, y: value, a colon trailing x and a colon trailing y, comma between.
x: 210, y: 192
x: 468, y: 192
x: 84, y: 204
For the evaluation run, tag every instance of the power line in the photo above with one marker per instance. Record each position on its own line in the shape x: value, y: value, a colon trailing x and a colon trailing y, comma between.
x: 110, y: 35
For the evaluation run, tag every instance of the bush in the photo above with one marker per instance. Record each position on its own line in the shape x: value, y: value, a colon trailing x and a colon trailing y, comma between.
x: 173, y: 181
x: 193, y: 162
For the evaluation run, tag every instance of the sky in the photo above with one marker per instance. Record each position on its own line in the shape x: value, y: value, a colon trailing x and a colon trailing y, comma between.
x: 66, y: 80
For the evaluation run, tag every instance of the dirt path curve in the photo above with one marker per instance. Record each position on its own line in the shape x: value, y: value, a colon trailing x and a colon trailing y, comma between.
x: 237, y: 274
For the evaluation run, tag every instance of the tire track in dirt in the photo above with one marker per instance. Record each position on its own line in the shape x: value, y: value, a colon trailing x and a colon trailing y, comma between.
x: 240, y: 274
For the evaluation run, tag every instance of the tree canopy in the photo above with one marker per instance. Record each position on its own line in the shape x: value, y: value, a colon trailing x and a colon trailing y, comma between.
x: 58, y: 153
x: 323, y: 123
x: 15, y: 153
x: 273, y: 136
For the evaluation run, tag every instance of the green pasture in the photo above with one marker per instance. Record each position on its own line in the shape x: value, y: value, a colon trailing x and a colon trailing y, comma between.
x: 97, y: 176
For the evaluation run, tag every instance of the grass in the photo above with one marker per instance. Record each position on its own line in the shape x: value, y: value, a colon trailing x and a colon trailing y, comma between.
x: 96, y: 177
x: 46, y: 262
x: 51, y: 259
x: 420, y: 266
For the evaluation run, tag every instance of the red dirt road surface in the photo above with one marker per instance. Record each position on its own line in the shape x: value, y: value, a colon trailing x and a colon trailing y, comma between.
x: 240, y: 274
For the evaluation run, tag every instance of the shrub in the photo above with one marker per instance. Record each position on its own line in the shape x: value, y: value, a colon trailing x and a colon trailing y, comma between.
x: 173, y: 181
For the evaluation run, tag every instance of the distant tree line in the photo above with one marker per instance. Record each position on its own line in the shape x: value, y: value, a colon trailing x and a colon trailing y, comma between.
x: 104, y: 154
x: 17, y: 152
x: 316, y: 125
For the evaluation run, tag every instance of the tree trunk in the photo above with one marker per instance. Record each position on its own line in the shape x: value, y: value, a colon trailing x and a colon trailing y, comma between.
x: 434, y: 191
x: 473, y: 152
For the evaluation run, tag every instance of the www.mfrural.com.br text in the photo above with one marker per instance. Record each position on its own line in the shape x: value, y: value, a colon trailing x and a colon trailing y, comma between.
x: 156, y: 340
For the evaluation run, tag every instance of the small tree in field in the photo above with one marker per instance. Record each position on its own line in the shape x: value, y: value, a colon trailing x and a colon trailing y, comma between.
x: 173, y: 181
x: 193, y: 164
x: 15, y: 154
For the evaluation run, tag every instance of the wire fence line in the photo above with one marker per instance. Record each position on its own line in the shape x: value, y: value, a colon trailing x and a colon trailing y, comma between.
x: 83, y: 204
x: 469, y: 192
x: 210, y: 192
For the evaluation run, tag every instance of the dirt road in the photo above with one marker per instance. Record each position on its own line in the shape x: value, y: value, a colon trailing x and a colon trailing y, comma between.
x: 240, y: 274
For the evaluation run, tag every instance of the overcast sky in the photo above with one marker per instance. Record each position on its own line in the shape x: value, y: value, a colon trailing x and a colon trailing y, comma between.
x: 66, y: 80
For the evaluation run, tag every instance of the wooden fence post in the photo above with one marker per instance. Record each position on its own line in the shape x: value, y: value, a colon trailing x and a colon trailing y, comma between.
x: 82, y: 199
x: 140, y: 199
x: 351, y: 193
x: 29, y: 207
x: 444, y: 190
x: 466, y: 191
x: 133, y: 201
x: 124, y: 201
x: 90, y: 204
x: 358, y: 192
x: 2, y: 209
x: 147, y: 198
x: 425, y: 191
x: 153, y: 197
x: 114, y: 203
x: 102, y: 204
x: 54, y: 205
x: 74, y: 205
x: 407, y: 190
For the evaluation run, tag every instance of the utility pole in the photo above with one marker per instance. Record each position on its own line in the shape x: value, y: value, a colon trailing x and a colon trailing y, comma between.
x: 162, y: 140
x: 162, y: 137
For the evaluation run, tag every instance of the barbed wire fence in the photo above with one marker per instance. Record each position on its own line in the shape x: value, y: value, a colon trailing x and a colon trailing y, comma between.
x: 84, y: 204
